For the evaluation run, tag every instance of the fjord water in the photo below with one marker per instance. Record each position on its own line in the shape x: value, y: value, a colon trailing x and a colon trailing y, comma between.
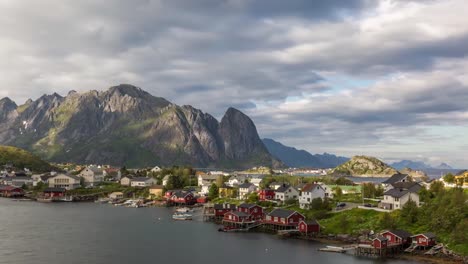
x: 36, y: 233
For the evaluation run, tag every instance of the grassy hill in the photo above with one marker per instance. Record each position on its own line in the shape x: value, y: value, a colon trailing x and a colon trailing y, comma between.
x: 363, y: 166
x: 20, y: 159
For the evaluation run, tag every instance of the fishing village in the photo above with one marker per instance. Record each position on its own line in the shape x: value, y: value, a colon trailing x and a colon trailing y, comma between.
x: 256, y: 200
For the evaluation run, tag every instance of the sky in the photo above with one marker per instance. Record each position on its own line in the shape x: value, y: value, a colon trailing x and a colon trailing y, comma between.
x: 381, y: 78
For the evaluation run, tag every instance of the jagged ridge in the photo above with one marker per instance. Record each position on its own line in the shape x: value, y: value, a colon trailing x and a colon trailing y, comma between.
x: 125, y: 125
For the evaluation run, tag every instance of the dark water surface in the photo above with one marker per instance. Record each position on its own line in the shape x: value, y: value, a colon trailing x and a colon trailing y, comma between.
x: 37, y: 233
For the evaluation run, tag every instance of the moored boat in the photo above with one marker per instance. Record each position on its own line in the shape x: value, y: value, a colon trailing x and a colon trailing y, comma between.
x: 182, y: 216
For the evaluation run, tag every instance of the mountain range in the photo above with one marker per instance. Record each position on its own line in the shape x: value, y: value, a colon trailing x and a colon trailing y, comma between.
x: 418, y: 165
x: 293, y: 157
x: 125, y: 125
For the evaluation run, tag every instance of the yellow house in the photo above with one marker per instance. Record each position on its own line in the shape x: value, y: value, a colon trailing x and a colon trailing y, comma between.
x: 226, y: 191
x: 462, y: 179
x: 156, y: 191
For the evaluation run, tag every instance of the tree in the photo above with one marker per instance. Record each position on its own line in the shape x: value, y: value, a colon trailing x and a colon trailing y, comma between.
x: 449, y: 178
x: 437, y: 187
x: 338, y: 192
x: 316, y: 204
x: 175, y: 182
x: 213, y: 192
x: 368, y: 190
x: 387, y: 221
x: 252, y: 198
x: 409, y: 212
x: 379, y: 191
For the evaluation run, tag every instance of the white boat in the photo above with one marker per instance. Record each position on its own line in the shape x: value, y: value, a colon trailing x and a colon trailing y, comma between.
x: 182, y: 216
x: 184, y: 210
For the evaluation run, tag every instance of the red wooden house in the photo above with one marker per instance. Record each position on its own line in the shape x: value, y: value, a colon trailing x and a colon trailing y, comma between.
x: 266, y: 194
x: 309, y: 227
x: 54, y: 192
x: 397, y: 237
x: 254, y: 210
x: 221, y: 209
x: 424, y: 240
x: 183, y: 197
x: 11, y: 191
x: 283, y: 219
x: 237, y: 217
x: 380, y: 242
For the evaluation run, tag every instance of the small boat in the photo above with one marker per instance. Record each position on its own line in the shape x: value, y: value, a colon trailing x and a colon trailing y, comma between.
x: 184, y: 210
x: 182, y: 216
x: 102, y: 200
x: 65, y: 199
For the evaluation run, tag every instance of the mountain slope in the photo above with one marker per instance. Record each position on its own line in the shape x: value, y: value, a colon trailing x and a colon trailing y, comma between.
x: 125, y: 125
x: 21, y: 159
x: 364, y: 166
x: 293, y: 157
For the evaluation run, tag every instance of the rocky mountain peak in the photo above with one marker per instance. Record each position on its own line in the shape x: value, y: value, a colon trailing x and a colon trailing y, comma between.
x: 6, y: 104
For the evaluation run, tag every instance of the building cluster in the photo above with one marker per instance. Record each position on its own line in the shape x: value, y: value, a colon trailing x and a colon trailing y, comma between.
x: 247, y: 216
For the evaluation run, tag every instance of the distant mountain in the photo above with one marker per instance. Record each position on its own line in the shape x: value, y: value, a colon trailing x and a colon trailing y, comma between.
x: 21, y: 159
x: 415, y: 165
x: 364, y: 166
x: 293, y: 157
x: 125, y: 125
x: 444, y: 166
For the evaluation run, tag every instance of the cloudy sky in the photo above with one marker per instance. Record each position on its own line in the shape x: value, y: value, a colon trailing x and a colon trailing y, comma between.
x: 382, y: 78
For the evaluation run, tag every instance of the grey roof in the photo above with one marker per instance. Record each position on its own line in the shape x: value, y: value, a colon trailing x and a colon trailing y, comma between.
x: 413, y: 187
x: 396, y: 193
x: 395, y: 178
x: 381, y: 238
x: 225, y: 206
x: 311, y: 222
x: 44, y: 178
x: 427, y: 234
x: 245, y: 185
x: 68, y: 175
x: 241, y: 214
x: 283, y: 213
x: 141, y: 179
x: 181, y: 194
x: 283, y: 188
x: 247, y: 205
x: 95, y: 169
x: 310, y: 187
x: 401, y: 233
x: 21, y: 178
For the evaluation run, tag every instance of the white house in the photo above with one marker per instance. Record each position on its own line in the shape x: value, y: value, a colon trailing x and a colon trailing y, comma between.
x: 142, y: 182
x: 396, y: 198
x: 61, y: 180
x: 256, y: 180
x: 245, y: 189
x: 92, y: 175
x: 206, y: 179
x: 309, y: 192
x: 236, y: 180
x: 286, y: 192
x: 126, y: 181
x: 156, y: 169
x: 166, y: 180
x: 276, y: 185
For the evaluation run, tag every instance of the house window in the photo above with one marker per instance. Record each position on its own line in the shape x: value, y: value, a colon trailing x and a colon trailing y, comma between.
x: 308, y: 199
x: 397, y: 199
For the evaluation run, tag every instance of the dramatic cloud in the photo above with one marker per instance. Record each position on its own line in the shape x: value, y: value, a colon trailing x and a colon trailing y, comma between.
x: 386, y: 78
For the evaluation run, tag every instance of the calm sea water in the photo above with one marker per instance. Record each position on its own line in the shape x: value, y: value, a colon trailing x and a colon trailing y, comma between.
x: 36, y: 233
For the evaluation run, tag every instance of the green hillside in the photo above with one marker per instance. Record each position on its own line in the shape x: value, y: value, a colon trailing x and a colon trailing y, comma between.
x: 20, y: 159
